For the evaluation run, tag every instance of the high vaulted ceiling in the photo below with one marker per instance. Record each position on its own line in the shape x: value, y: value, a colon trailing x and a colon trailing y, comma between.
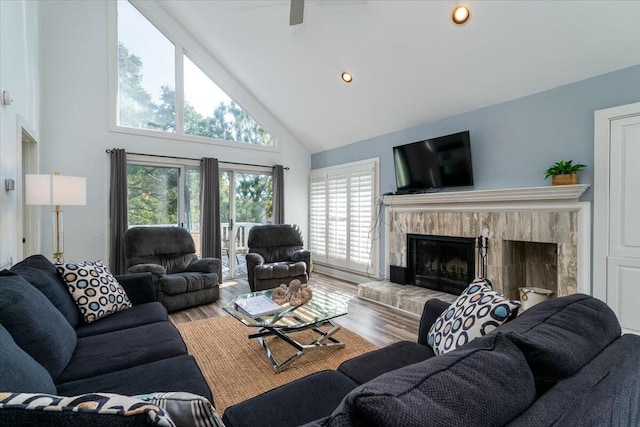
x: 411, y: 65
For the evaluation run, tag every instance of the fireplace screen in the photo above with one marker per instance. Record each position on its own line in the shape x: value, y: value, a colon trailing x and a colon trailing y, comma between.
x: 441, y: 263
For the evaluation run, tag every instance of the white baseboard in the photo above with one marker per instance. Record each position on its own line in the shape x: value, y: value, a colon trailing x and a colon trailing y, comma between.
x: 342, y: 274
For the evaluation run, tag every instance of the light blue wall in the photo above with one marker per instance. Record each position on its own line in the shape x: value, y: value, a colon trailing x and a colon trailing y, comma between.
x: 514, y: 142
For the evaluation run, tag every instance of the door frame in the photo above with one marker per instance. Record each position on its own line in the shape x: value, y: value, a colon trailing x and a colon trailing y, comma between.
x: 601, y: 165
x: 233, y: 169
x: 28, y: 230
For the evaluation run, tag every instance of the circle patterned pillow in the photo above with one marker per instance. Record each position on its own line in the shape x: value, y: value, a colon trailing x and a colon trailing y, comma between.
x: 476, y: 312
x: 94, y: 289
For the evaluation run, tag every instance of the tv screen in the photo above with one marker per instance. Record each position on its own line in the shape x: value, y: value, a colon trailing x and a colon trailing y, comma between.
x: 433, y: 163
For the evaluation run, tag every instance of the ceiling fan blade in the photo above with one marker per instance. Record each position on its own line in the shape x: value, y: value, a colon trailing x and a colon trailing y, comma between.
x: 297, y: 12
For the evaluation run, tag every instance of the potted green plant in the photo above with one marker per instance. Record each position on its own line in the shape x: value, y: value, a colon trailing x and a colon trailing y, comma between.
x: 564, y: 172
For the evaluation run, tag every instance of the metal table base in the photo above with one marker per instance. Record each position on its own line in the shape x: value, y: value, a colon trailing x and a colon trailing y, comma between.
x: 324, y: 339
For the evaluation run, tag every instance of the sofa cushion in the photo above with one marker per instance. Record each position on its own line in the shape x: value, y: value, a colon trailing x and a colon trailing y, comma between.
x: 138, y: 315
x: 42, y: 274
x: 35, y: 324
x: 375, y: 363
x: 113, y: 351
x: 559, y: 336
x: 476, y: 312
x: 179, y: 283
x: 605, y: 392
x: 280, y: 270
x: 94, y: 289
x: 185, y: 409
x: 93, y: 409
x: 486, y: 380
x: 19, y: 372
x: 289, y: 404
x: 180, y: 373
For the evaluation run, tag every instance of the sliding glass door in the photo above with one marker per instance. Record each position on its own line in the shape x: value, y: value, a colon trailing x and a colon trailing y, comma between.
x: 168, y: 193
x: 246, y: 200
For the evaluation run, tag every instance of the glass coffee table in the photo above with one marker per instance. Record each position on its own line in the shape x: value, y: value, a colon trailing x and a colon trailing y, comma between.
x: 315, y: 314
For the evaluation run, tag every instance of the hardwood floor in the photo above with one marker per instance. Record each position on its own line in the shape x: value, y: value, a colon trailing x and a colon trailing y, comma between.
x: 377, y: 323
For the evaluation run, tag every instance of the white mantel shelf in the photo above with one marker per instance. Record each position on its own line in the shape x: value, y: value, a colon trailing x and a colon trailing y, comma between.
x: 557, y: 193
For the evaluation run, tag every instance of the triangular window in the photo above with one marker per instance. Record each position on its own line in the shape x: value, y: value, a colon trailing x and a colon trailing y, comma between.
x: 147, y: 88
x: 211, y: 113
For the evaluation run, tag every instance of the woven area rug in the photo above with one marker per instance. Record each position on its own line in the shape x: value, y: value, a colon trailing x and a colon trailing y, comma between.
x: 236, y: 367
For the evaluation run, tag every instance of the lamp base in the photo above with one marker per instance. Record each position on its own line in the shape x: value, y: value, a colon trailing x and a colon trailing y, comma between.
x: 58, y: 235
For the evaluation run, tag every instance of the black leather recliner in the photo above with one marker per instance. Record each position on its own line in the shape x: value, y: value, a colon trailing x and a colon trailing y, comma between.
x: 180, y: 278
x: 276, y: 256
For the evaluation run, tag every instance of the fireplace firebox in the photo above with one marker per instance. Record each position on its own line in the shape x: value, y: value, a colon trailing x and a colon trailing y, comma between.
x: 442, y: 263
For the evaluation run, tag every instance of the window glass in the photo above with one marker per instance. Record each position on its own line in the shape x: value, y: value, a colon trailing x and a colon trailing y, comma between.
x: 254, y: 198
x: 210, y: 112
x: 192, y: 203
x: 146, y: 73
x: 152, y: 195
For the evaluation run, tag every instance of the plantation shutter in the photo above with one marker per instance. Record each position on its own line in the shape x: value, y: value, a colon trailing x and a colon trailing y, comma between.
x: 360, y: 217
x: 337, y: 219
x: 341, y: 210
x: 317, y: 217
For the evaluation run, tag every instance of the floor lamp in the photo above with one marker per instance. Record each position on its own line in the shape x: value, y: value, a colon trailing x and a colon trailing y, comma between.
x: 56, y: 190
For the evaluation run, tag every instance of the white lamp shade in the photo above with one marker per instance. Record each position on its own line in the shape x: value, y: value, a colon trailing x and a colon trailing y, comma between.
x: 37, y: 189
x: 69, y: 190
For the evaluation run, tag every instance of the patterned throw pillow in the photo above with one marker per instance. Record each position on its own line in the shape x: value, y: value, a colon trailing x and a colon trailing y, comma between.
x: 477, y: 311
x: 185, y: 409
x: 92, y: 403
x: 94, y: 289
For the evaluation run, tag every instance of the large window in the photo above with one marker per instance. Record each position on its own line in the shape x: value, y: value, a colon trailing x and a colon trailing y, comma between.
x: 146, y: 76
x: 341, y: 215
x: 155, y: 74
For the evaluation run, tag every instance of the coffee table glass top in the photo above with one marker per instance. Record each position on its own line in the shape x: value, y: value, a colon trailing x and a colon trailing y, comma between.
x: 322, y: 307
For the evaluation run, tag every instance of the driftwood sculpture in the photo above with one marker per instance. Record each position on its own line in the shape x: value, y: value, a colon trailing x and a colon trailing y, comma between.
x: 295, y: 293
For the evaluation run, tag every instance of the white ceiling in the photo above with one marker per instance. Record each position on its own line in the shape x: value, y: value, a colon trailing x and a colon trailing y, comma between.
x: 411, y: 65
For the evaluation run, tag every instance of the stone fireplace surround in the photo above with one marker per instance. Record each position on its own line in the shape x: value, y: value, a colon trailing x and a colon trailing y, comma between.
x: 539, y: 236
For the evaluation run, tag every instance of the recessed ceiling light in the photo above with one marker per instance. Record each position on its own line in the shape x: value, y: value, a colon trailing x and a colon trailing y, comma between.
x: 346, y: 77
x: 460, y: 14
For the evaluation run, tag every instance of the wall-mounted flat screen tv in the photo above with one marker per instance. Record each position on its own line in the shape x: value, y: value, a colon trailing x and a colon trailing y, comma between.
x: 433, y: 163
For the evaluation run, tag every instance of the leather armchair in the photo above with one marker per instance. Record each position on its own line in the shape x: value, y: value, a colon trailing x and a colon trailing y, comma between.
x: 180, y: 278
x: 276, y: 256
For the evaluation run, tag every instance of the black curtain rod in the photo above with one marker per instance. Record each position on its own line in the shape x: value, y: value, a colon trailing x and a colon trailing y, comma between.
x: 108, y: 151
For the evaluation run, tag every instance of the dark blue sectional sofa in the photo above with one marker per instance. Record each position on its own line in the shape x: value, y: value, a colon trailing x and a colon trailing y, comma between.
x: 563, y: 362
x: 46, y: 347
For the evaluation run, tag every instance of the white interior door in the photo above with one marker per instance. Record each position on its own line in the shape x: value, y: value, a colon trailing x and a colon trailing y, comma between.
x: 617, y: 210
x: 623, y: 264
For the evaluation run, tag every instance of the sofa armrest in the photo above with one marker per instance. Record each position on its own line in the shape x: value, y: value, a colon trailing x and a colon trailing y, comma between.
x: 206, y: 265
x: 253, y: 259
x: 302, y: 255
x: 432, y: 309
x: 139, y: 287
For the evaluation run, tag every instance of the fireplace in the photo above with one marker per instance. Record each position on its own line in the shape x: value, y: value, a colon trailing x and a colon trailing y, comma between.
x: 442, y: 263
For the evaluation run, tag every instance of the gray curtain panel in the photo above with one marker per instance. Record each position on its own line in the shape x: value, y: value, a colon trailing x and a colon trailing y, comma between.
x: 210, y: 208
x: 278, y: 194
x: 118, y: 223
